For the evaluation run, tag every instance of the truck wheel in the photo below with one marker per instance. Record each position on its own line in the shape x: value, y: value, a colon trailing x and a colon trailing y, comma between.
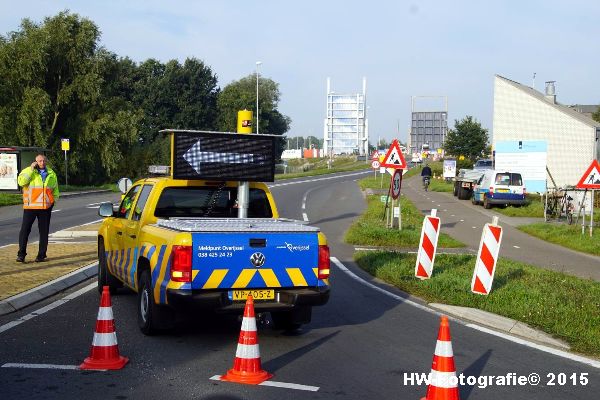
x: 291, y: 321
x: 455, y: 190
x: 148, y: 318
x: 486, y: 204
x: 463, y: 194
x: 104, y: 277
x: 473, y: 201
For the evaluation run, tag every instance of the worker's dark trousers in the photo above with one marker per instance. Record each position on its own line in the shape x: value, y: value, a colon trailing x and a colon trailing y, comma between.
x: 29, y: 216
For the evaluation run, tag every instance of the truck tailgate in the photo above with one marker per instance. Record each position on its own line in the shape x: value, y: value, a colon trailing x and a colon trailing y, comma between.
x: 251, y: 253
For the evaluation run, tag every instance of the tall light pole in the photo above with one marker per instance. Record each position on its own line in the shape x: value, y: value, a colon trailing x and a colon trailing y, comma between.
x: 257, y: 65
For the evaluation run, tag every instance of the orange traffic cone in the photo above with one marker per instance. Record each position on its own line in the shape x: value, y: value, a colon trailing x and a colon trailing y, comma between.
x: 246, y: 366
x: 443, y: 384
x: 104, y: 353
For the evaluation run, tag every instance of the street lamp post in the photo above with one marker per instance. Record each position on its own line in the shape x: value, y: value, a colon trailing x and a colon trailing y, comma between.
x: 257, y: 65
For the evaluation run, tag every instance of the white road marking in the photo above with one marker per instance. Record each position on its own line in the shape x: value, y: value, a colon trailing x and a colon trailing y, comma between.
x: 524, y: 342
x: 315, y: 180
x: 39, y: 366
x: 445, y: 210
x: 45, y: 309
x: 284, y: 385
x: 452, y: 215
x: 55, y: 211
x: 474, y: 227
x: 462, y: 220
x: 516, y: 247
x: 304, y: 216
x: 93, y: 222
x: 439, y: 205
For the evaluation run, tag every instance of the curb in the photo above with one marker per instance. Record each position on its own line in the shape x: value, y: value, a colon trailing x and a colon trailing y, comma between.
x: 500, y: 323
x: 22, y: 300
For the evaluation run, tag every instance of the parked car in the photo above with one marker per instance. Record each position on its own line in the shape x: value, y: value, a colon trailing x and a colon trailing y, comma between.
x: 499, y: 188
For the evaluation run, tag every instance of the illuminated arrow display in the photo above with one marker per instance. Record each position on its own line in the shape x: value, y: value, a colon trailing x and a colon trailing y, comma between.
x: 218, y: 156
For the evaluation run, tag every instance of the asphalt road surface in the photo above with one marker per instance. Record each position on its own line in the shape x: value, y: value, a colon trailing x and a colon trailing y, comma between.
x: 364, y: 344
x: 68, y: 211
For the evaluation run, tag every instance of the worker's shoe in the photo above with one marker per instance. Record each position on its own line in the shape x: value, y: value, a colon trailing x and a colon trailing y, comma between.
x: 21, y: 259
x: 41, y: 259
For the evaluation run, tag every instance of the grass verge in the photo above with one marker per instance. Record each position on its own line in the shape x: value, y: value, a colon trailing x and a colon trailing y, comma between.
x: 323, y: 171
x: 563, y: 306
x: 10, y: 199
x: 370, y: 228
x: 565, y: 235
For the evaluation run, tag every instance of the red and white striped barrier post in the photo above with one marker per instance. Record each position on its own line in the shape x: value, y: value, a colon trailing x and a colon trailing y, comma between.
x: 485, y: 266
x: 427, y: 245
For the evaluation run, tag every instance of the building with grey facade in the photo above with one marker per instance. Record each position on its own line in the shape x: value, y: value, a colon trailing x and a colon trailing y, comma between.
x: 428, y: 129
x: 346, y: 128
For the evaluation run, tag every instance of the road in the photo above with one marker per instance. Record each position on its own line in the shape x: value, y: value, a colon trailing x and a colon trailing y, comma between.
x: 68, y: 212
x: 361, y: 345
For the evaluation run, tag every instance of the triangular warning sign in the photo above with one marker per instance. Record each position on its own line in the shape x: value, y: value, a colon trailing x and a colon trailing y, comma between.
x: 394, y: 158
x: 591, y: 178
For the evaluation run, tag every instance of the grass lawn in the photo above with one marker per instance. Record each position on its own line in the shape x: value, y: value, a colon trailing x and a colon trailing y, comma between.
x: 563, y: 306
x: 370, y: 228
x: 9, y: 199
x: 566, y: 235
x: 354, y: 166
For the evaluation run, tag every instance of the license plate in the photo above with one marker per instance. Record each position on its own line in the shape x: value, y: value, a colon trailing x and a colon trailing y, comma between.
x: 242, y: 295
x: 503, y: 190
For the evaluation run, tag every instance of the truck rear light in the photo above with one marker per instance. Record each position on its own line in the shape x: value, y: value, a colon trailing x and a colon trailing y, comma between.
x: 491, y: 190
x: 324, y: 262
x: 524, y: 191
x: 181, y: 264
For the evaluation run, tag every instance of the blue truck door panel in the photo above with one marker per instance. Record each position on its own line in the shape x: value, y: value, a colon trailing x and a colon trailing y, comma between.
x: 254, y: 260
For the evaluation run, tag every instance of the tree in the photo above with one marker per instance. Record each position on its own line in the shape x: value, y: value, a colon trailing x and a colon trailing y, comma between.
x: 468, y: 138
x: 240, y: 95
x: 596, y: 115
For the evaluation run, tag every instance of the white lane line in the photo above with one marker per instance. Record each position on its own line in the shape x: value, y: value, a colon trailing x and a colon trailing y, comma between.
x: 462, y: 220
x: 94, y: 204
x: 474, y: 227
x: 284, y: 385
x: 93, y: 222
x: 516, y: 247
x: 315, y: 180
x: 39, y: 366
x: 304, y: 216
x: 546, y: 349
x: 45, y: 309
x: 452, y: 215
x: 55, y: 210
x: 445, y: 210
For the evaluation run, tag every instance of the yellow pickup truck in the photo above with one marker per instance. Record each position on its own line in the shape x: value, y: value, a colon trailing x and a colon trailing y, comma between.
x: 179, y: 244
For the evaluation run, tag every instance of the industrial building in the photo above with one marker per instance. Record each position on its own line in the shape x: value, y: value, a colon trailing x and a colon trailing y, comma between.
x: 346, y: 128
x: 428, y: 128
x: 522, y: 113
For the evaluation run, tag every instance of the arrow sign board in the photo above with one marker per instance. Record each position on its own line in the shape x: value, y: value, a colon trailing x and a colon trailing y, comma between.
x: 224, y: 157
x: 394, y: 157
x: 591, y: 178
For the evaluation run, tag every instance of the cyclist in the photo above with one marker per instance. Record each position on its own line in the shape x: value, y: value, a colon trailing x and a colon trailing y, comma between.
x: 426, y: 175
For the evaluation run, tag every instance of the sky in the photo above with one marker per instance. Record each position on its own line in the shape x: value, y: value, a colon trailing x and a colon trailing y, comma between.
x: 403, y: 48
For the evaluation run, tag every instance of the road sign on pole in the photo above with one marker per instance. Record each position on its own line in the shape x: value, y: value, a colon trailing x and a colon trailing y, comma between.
x: 394, y: 157
x: 591, y: 177
x: 375, y: 164
x: 396, y: 184
x: 65, y: 146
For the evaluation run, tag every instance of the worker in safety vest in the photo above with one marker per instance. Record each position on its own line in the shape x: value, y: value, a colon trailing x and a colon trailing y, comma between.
x: 40, y: 191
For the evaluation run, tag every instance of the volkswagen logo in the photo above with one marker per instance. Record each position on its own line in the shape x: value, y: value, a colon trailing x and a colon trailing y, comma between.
x: 257, y: 259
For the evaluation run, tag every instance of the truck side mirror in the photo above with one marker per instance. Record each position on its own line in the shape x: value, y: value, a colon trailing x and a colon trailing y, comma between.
x: 105, y: 210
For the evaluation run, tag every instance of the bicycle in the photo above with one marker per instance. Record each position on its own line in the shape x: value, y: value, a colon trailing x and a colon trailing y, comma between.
x: 426, y: 180
x: 567, y: 208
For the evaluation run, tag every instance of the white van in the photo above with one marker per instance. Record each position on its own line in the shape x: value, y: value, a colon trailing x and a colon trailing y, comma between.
x: 500, y: 188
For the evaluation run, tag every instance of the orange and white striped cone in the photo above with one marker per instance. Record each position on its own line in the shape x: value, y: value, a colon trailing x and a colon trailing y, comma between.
x: 104, y: 353
x: 443, y: 384
x: 246, y: 366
